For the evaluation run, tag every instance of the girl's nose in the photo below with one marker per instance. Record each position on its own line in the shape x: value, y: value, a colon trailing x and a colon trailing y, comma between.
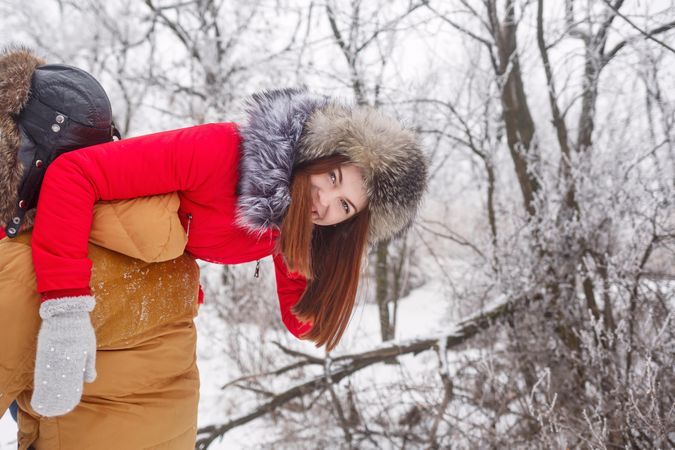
x: 319, y: 203
x: 323, y: 198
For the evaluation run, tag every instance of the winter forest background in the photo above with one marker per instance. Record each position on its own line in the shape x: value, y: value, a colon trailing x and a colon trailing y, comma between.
x: 532, y: 304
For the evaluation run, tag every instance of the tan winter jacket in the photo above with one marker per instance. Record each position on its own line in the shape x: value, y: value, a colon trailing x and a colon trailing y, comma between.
x: 147, y: 389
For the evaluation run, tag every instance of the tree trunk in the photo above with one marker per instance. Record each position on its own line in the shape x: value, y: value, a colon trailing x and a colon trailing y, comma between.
x: 382, y: 289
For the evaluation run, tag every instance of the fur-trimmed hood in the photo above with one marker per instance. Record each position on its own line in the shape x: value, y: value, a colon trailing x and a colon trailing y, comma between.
x: 17, y: 65
x: 290, y: 126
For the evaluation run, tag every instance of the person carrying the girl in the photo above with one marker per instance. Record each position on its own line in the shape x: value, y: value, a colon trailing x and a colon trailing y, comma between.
x: 307, y: 179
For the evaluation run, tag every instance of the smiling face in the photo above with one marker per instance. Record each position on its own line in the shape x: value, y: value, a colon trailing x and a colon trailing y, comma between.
x: 337, y: 194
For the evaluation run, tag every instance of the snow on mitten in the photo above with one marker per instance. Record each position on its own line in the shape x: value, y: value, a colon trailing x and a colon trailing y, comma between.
x: 66, y: 355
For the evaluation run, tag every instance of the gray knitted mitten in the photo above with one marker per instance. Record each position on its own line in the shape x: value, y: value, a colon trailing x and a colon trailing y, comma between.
x: 66, y: 355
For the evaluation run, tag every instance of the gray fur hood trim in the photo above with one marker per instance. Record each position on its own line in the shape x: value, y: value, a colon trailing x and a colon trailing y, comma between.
x: 269, y: 143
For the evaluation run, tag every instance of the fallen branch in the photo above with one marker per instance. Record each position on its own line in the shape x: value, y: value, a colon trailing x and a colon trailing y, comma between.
x: 342, y: 366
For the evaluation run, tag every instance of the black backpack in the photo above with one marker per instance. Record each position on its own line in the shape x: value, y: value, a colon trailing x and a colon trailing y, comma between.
x: 45, y: 111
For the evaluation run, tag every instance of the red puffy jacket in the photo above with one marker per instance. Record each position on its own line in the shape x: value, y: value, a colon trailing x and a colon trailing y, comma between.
x: 200, y: 163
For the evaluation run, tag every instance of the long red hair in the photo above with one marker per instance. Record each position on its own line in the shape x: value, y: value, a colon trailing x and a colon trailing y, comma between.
x: 329, y: 257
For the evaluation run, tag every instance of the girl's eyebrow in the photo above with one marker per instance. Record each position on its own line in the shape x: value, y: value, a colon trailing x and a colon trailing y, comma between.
x: 350, y: 202
x: 340, y: 172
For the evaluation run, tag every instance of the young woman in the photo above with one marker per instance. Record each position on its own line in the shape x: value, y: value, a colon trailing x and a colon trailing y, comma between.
x: 308, y: 180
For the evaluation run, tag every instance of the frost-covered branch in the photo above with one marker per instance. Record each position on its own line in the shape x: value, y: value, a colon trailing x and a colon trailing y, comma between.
x: 342, y: 366
x: 646, y: 34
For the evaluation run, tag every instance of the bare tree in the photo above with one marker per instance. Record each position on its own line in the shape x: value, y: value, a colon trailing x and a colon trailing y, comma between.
x: 358, y: 30
x: 570, y: 244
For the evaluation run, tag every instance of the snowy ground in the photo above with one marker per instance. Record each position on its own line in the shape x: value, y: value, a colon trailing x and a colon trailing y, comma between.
x: 423, y: 312
x: 7, y: 432
x: 419, y: 314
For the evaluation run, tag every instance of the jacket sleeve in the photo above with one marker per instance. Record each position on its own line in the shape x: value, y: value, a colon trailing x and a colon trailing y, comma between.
x: 178, y: 160
x: 290, y: 287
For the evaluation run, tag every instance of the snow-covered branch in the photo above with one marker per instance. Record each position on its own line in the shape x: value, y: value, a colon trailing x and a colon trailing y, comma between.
x: 342, y: 366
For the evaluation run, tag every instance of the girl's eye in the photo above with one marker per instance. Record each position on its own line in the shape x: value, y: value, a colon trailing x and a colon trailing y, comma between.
x: 332, y: 177
x: 345, y: 205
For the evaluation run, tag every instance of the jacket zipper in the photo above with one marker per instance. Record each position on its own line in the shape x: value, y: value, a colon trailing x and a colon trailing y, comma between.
x: 187, y: 232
